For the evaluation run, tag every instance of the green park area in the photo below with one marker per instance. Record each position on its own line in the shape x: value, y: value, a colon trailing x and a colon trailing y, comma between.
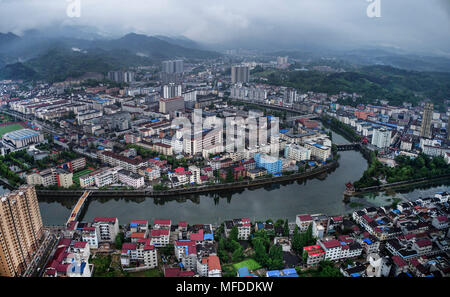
x: 10, y: 128
x: 250, y: 263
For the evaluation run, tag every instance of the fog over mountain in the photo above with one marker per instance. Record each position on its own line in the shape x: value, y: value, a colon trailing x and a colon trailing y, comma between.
x: 416, y: 25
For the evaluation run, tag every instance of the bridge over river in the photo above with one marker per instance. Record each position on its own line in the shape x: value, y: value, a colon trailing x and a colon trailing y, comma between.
x: 78, y: 207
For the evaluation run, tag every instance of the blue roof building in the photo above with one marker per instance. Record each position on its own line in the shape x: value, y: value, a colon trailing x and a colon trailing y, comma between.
x: 271, y: 164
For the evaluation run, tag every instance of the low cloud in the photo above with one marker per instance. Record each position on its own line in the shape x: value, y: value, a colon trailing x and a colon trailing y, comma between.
x: 407, y: 24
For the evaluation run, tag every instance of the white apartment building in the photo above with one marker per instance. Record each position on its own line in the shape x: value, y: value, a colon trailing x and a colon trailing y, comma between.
x: 107, y: 177
x: 297, y: 152
x: 303, y: 222
x: 131, y: 179
x: 142, y: 252
x: 381, y: 138
x: 160, y: 237
x: 89, y: 234
x: 320, y: 151
x: 107, y: 228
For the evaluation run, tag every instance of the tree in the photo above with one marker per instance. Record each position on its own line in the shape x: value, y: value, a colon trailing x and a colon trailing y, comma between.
x: 233, y: 233
x: 168, y: 250
x: 230, y: 177
x: 276, y: 257
x: 223, y: 256
x: 238, y: 254
x: 327, y: 269
x: 301, y: 240
x: 260, y: 255
x: 119, y: 240
x: 286, y: 228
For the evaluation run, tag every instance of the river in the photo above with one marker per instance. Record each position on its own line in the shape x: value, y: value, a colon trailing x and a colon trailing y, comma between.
x: 317, y: 195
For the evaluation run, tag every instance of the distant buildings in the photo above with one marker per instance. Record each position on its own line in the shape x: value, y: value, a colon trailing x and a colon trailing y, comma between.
x: 121, y: 76
x: 170, y: 105
x: 427, y: 117
x: 21, y: 230
x: 245, y: 93
x: 172, y: 71
x: 171, y: 90
x: 240, y: 74
x: 282, y: 62
x: 173, y: 66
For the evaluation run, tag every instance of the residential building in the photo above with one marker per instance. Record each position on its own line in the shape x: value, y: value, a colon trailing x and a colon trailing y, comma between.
x: 170, y: 105
x: 297, y: 152
x: 240, y: 74
x: 107, y: 228
x: 273, y: 165
x: 381, y: 138
x: 314, y: 255
x: 427, y: 118
x: 131, y: 179
x: 21, y: 230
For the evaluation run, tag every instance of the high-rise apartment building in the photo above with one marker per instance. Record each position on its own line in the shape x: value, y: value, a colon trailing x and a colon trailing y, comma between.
x: 21, y: 230
x: 427, y: 117
x: 171, y: 90
x: 172, y: 71
x: 173, y: 66
x: 240, y: 74
x: 282, y: 62
x: 121, y: 76
x: 448, y: 128
x: 381, y: 138
x: 290, y: 95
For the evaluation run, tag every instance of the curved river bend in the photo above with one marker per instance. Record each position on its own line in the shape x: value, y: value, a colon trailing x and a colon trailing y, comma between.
x: 319, y: 195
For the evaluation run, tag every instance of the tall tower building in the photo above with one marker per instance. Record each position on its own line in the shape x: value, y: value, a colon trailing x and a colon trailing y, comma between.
x: 448, y: 128
x: 172, y: 90
x: 240, y: 74
x: 427, y: 117
x: 172, y: 71
x: 173, y: 66
x: 21, y: 230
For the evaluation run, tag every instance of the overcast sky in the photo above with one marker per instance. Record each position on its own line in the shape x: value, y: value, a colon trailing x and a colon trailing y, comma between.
x: 408, y: 24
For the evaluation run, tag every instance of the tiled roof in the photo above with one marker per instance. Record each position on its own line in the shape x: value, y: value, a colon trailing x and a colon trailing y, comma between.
x: 160, y: 232
x: 305, y: 218
x: 105, y: 219
x: 161, y: 222
x: 331, y: 244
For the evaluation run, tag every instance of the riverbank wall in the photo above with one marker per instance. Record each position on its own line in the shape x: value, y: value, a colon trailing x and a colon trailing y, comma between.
x: 193, y: 190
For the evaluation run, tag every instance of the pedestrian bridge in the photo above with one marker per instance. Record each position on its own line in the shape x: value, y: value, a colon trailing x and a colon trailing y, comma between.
x: 78, y: 207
